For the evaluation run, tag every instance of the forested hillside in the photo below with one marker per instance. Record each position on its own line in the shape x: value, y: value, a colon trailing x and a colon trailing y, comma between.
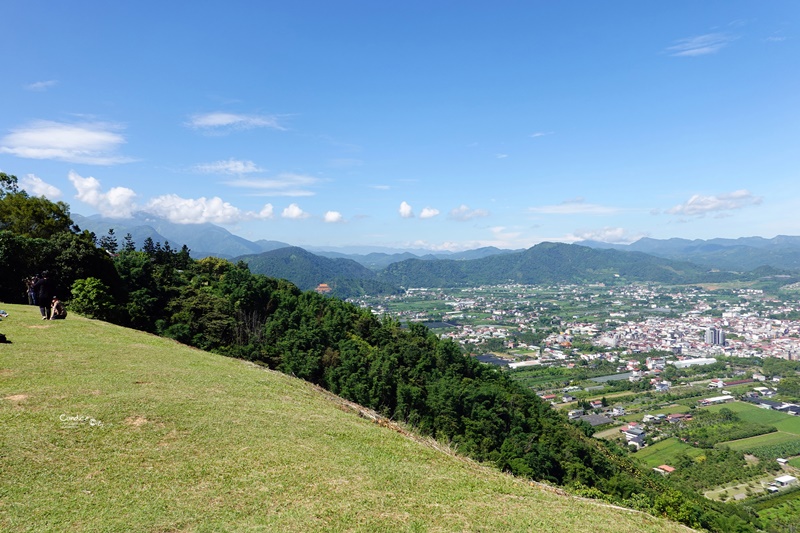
x: 542, y: 264
x: 743, y: 254
x: 306, y: 270
x: 548, y: 263
x: 409, y: 375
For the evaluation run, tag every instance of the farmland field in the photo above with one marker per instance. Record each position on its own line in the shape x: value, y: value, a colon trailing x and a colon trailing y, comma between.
x: 665, y: 451
x: 790, y: 424
x: 778, y: 437
x: 752, y: 413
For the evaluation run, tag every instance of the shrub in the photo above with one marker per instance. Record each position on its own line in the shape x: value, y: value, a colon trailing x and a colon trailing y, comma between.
x: 91, y: 298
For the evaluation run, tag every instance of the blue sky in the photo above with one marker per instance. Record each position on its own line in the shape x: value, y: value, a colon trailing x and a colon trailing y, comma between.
x: 440, y: 125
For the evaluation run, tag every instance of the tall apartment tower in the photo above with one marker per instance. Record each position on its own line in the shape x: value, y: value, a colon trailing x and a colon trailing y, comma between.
x: 715, y: 336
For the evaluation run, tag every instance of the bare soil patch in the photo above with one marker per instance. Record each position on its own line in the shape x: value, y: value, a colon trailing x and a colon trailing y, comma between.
x: 16, y: 398
x: 136, y: 421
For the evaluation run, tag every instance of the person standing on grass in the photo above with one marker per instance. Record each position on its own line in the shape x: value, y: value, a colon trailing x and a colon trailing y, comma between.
x: 29, y: 282
x: 44, y: 294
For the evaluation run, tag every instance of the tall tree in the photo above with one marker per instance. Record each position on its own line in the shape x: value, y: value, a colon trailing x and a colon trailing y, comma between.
x: 8, y: 184
x: 108, y: 242
x: 31, y: 216
x: 128, y: 245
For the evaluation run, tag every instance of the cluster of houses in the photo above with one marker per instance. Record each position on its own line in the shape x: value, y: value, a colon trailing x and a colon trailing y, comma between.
x: 636, y: 433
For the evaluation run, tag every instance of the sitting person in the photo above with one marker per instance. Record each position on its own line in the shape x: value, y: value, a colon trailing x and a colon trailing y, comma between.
x: 57, y: 309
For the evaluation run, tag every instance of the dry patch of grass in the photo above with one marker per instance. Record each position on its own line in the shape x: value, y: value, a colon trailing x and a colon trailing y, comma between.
x: 136, y: 421
x: 16, y: 398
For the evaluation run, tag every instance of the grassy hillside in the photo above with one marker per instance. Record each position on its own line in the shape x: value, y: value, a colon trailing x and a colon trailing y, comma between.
x: 109, y: 429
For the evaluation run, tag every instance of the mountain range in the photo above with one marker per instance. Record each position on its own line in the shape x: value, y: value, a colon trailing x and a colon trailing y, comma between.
x: 202, y: 239
x: 384, y: 271
x: 744, y: 253
x: 211, y: 240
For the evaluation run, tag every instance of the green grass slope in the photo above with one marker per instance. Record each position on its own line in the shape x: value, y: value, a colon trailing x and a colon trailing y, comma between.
x: 108, y: 429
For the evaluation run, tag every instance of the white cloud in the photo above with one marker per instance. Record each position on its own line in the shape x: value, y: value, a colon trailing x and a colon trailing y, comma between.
x: 333, y: 217
x: 116, y: 203
x: 429, y: 212
x: 575, y: 206
x: 607, y: 234
x: 709, y: 43
x: 285, y: 184
x: 294, y: 212
x: 406, y: 211
x: 380, y: 187
x: 92, y: 143
x: 501, y: 156
x: 266, y: 211
x: 193, y: 210
x: 464, y: 213
x: 231, y: 166
x: 41, y: 86
x: 221, y: 122
x: 700, y: 205
x: 36, y: 187
x: 541, y: 134
x: 201, y: 210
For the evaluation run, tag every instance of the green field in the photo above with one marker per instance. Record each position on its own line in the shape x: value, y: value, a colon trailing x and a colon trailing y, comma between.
x: 795, y: 462
x: 753, y: 413
x: 762, y: 440
x: 788, y: 426
x: 109, y: 429
x: 664, y: 451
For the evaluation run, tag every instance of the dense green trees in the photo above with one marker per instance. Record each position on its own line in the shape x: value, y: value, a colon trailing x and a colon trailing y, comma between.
x: 91, y: 297
x: 708, y: 428
x: 714, y: 468
x: 37, y: 235
x: 29, y: 216
x: 789, y: 387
